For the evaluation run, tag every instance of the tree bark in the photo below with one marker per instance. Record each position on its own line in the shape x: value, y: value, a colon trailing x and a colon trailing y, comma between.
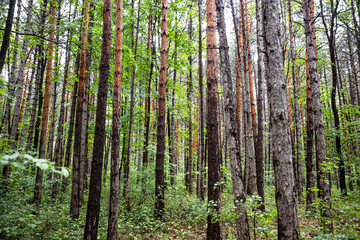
x: 6, y: 37
x: 189, y: 163
x: 147, y: 98
x: 214, y: 191
x: 318, y: 118
x: 288, y: 225
x: 6, y: 123
x: 115, y: 136
x: 310, y: 168
x: 45, y: 111
x: 250, y: 172
x: 160, y: 146
x: 231, y: 126
x: 201, y: 157
x: 297, y: 160
x: 259, y: 153
x: 93, y: 206
x: 78, y: 166
x: 126, y: 193
x: 331, y: 35
x: 60, y: 129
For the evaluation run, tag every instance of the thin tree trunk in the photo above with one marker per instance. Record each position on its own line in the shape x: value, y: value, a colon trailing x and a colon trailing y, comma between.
x: 60, y: 129
x: 259, y: 153
x: 214, y: 191
x: 310, y: 168
x: 171, y: 120
x: 318, y: 118
x: 45, y: 111
x: 126, y: 193
x: 6, y: 37
x: 67, y: 160
x: 78, y: 166
x: 147, y: 98
x: 19, y: 82
x: 201, y: 158
x: 240, y: 74
x: 38, y: 90
x: 250, y: 171
x: 239, y: 190
x: 28, y: 104
x: 188, y: 173
x: 93, y: 206
x: 6, y: 123
x: 331, y: 35
x: 297, y: 161
x: 160, y: 146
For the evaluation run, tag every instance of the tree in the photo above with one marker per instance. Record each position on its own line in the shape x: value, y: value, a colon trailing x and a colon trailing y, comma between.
x: 45, y: 111
x: 7, y: 33
x: 288, y: 225
x: 331, y: 34
x: 310, y: 177
x: 318, y: 118
x: 160, y: 144
x: 297, y: 160
x: 126, y: 193
x: 201, y: 157
x: 212, y: 125
x: 260, y: 103
x: 115, y: 136
x: 239, y: 190
x: 78, y: 162
x: 250, y: 172
x: 93, y: 206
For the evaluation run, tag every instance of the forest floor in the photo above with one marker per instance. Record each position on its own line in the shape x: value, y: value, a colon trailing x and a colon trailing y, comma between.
x: 185, y: 216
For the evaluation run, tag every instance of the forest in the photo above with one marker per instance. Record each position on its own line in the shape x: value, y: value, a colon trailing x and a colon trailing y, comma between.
x: 179, y: 119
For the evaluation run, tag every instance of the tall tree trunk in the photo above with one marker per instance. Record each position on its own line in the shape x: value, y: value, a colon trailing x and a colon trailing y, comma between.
x: 60, y: 128
x: 240, y: 74
x: 331, y: 35
x: 310, y: 168
x: 259, y: 153
x: 250, y: 172
x: 19, y: 82
x: 288, y: 225
x: 115, y: 136
x: 160, y: 146
x: 28, y: 104
x: 78, y: 166
x: 45, y: 111
x: 5, y: 124
x: 38, y: 90
x: 126, y: 193
x: 201, y: 157
x: 318, y: 117
x: 171, y: 120
x: 93, y: 206
x: 239, y: 190
x: 85, y: 114
x: 6, y: 37
x: 212, y: 125
x: 54, y: 92
x: 147, y: 98
x: 297, y: 160
x: 188, y: 173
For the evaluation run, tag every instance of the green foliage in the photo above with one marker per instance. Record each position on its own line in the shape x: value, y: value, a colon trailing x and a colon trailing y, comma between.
x: 25, y: 160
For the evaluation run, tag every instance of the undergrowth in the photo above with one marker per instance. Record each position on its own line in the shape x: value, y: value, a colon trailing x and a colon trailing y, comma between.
x: 185, y: 215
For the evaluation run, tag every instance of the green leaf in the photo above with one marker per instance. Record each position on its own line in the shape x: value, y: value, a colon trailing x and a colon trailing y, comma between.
x: 65, y: 172
x: 11, y: 156
x: 18, y: 165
